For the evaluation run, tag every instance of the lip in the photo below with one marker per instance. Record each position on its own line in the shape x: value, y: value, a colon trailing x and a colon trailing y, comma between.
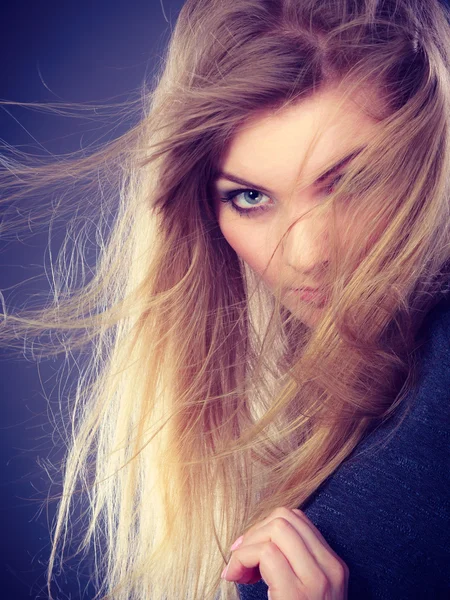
x: 313, y: 295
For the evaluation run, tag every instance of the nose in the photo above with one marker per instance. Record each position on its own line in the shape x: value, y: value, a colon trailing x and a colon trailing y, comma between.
x: 305, y: 246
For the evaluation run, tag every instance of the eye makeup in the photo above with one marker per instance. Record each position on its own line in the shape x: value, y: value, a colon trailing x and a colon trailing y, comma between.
x: 229, y: 197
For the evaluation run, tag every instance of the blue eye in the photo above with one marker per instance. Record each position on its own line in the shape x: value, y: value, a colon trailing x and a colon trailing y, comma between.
x: 251, y: 203
x: 250, y: 198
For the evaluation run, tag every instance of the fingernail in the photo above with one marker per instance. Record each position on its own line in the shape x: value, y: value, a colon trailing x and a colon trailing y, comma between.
x: 237, y: 543
x: 224, y: 572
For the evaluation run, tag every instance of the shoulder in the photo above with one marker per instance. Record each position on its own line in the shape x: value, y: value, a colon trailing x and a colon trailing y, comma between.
x: 430, y: 400
x: 435, y: 332
x: 385, y: 510
x: 421, y: 425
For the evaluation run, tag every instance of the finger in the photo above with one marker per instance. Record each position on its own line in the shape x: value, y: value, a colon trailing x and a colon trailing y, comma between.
x: 338, y: 568
x: 274, y: 567
x: 289, y: 540
x: 331, y: 565
x: 312, y: 537
x: 314, y: 529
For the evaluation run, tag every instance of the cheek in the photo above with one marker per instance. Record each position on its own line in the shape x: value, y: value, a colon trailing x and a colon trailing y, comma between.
x: 249, y: 242
x: 374, y: 235
x: 365, y: 237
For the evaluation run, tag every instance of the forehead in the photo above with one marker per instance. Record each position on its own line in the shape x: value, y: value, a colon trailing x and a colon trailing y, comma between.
x: 303, y: 137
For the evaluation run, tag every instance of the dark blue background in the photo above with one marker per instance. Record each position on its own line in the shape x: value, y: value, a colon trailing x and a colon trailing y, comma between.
x: 93, y: 51
x: 84, y: 51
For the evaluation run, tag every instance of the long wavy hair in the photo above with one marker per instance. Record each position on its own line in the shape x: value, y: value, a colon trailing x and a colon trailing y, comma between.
x: 201, y: 403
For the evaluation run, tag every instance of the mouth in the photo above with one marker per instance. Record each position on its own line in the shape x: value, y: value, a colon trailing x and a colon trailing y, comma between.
x: 310, y: 295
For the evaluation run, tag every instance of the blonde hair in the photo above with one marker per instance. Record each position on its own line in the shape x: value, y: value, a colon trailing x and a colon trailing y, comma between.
x: 201, y: 403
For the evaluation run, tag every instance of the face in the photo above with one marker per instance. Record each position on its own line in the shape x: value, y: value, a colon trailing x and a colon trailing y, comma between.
x: 259, y: 176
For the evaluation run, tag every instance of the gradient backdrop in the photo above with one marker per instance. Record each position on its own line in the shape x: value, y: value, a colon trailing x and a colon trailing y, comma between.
x: 83, y: 51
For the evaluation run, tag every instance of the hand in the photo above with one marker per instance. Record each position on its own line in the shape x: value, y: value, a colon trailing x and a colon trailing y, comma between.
x: 292, y: 557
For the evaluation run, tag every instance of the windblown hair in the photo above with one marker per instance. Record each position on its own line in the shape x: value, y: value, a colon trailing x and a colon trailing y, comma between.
x: 203, y: 404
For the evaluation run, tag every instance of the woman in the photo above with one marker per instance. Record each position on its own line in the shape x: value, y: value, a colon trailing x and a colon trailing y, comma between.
x: 266, y: 395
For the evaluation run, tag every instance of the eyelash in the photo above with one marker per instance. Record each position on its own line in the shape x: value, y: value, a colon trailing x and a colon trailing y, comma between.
x: 248, y: 212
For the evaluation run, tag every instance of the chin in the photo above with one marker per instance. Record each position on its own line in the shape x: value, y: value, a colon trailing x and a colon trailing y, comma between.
x: 307, y: 313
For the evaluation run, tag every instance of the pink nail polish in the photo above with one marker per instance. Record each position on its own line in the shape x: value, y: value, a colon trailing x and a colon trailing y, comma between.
x: 224, y: 572
x: 237, y: 543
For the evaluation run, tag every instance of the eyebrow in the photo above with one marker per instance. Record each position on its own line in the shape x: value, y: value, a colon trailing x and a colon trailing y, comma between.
x: 336, y: 167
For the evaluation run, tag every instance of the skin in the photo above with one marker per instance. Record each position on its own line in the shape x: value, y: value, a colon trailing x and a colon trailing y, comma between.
x: 292, y: 557
x: 270, y: 151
